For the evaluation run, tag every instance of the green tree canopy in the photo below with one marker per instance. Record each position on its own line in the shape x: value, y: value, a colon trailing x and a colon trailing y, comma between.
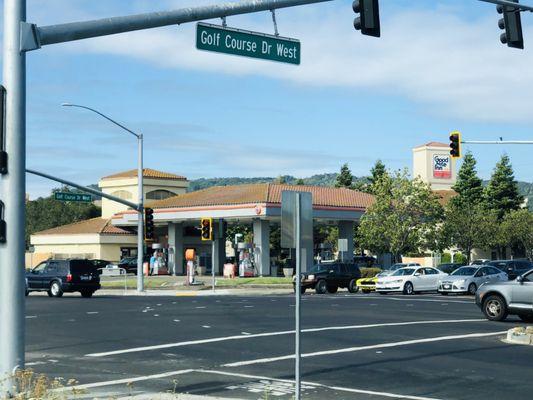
x: 344, y: 178
x: 517, y: 230
x: 46, y: 213
x: 377, y: 172
x: 404, y: 218
x: 502, y: 194
x: 468, y: 185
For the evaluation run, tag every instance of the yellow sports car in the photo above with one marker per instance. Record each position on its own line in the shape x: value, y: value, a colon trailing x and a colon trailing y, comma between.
x: 367, y: 285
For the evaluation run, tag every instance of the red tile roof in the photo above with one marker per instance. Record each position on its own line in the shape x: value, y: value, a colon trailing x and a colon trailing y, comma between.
x: 147, y: 173
x: 433, y: 144
x: 265, y: 193
x: 100, y: 226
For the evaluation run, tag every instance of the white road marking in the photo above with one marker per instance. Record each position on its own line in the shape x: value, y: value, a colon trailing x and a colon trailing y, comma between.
x: 206, y: 326
x: 246, y: 376
x: 126, y: 380
x: 361, y: 348
x: 176, y: 320
x: 245, y: 333
x: 31, y: 316
x: 156, y: 315
x: 267, y: 334
x: 200, y: 307
x: 32, y: 364
x: 248, y: 306
x: 318, y: 385
x: 92, y: 312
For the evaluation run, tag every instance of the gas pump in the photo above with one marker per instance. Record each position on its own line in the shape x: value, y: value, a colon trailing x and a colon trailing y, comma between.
x: 190, y: 257
x: 246, y: 259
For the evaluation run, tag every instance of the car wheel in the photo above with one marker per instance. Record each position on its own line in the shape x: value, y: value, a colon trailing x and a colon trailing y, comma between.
x: 472, y: 289
x: 87, y: 293
x: 55, y: 290
x: 494, y: 308
x: 321, y: 287
x: 333, y: 289
x: 408, y: 288
x: 526, y: 317
x: 352, y: 286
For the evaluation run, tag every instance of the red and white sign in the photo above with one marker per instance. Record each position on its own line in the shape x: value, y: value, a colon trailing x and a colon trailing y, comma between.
x: 442, y: 166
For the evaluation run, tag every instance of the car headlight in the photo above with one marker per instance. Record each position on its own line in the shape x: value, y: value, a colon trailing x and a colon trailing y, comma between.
x: 311, y: 277
x: 439, y: 282
x: 397, y: 281
x: 461, y: 282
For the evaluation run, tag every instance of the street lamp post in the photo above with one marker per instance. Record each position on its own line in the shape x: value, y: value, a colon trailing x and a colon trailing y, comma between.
x: 140, y: 225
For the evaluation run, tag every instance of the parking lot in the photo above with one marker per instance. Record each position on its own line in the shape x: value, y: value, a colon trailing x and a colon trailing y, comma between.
x: 354, y: 346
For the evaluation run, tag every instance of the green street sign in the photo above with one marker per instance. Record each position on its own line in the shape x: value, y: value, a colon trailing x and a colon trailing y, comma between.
x: 61, y: 196
x: 246, y: 43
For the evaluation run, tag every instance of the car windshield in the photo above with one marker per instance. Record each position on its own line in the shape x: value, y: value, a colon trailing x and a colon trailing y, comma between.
x: 465, y: 271
x: 318, y: 268
x: 394, y: 267
x: 404, y: 271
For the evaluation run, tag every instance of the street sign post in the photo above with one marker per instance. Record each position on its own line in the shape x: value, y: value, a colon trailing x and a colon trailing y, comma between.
x: 239, y: 42
x: 77, y: 197
x: 296, y: 218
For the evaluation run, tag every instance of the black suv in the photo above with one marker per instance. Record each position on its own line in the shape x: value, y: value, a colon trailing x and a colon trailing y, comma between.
x: 328, y: 277
x: 512, y: 268
x: 59, y: 276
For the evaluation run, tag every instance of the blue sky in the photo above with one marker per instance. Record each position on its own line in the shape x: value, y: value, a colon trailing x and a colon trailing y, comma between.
x: 438, y: 67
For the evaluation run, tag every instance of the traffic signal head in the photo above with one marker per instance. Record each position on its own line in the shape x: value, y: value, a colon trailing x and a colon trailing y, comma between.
x: 206, y: 225
x: 455, y: 144
x: 512, y: 24
x: 3, y: 153
x: 368, y: 20
x: 3, y: 226
x: 148, y: 224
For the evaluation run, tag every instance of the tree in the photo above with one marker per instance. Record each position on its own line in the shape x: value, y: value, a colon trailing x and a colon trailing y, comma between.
x: 404, y: 217
x: 345, y: 178
x: 377, y: 172
x: 300, y: 182
x: 470, y: 226
x: 46, y: 213
x: 468, y: 185
x: 502, y: 194
x: 517, y: 230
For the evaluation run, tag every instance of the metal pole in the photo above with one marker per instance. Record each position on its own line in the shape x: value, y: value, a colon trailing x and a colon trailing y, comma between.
x: 213, y: 258
x: 12, y: 194
x: 140, y: 222
x: 497, y: 141
x: 298, y: 295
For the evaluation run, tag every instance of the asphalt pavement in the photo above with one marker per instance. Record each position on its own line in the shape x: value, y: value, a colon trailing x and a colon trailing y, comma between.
x: 354, y: 347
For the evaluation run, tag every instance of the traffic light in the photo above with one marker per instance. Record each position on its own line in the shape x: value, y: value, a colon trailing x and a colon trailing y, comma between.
x: 512, y: 24
x: 455, y: 144
x: 3, y: 153
x: 368, y: 20
x: 148, y: 224
x: 206, y: 225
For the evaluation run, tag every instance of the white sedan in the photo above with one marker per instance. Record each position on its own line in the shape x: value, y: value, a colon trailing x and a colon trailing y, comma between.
x: 410, y: 280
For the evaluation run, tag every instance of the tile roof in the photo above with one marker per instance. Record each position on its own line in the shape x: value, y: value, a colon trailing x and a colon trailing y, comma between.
x: 147, y: 173
x: 265, y: 193
x: 433, y: 144
x: 100, y: 226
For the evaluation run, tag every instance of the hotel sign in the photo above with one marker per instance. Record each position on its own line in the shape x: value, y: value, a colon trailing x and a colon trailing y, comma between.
x: 239, y: 42
x: 442, y: 166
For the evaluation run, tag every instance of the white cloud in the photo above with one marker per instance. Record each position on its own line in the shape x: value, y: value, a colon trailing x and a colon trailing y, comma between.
x: 453, y: 66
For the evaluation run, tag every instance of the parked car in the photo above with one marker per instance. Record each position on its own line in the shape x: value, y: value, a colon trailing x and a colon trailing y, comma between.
x: 394, y: 267
x: 410, y: 280
x: 498, y: 300
x: 364, y: 261
x: 328, y: 277
x: 61, y: 276
x: 480, y: 261
x: 512, y: 268
x: 130, y: 264
x: 449, y: 267
x: 366, y: 285
x: 469, y: 278
x: 100, y: 264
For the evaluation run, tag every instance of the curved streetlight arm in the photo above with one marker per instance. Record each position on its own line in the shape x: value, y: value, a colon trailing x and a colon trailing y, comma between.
x: 104, y: 116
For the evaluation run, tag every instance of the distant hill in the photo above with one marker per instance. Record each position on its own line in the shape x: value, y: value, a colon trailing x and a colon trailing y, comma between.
x: 319, y: 180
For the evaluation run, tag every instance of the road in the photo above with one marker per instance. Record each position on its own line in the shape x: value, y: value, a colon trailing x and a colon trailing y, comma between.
x: 355, y: 347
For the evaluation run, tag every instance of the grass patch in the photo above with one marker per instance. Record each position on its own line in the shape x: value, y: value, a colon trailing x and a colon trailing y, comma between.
x: 254, y: 281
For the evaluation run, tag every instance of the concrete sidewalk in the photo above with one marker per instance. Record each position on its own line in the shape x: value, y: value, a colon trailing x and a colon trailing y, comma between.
x: 193, y: 293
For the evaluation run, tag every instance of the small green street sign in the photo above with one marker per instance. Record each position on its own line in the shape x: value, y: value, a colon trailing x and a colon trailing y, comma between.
x: 247, y: 43
x: 61, y: 196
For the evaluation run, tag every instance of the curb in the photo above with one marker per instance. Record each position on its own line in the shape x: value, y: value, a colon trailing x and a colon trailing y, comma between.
x: 193, y: 293
x: 520, y: 335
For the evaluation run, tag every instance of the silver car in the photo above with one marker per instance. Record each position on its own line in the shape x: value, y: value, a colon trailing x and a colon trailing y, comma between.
x: 497, y: 300
x: 469, y: 278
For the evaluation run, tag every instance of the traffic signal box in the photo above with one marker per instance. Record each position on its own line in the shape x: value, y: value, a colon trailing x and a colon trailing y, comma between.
x: 512, y: 24
x: 368, y: 20
x: 206, y: 225
x: 455, y: 144
x: 148, y: 224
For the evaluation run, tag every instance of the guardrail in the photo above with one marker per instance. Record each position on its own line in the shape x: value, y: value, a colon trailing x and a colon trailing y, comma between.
x: 121, y: 271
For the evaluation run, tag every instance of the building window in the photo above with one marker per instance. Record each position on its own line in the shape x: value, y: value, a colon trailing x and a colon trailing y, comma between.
x: 122, y: 194
x: 159, y: 195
